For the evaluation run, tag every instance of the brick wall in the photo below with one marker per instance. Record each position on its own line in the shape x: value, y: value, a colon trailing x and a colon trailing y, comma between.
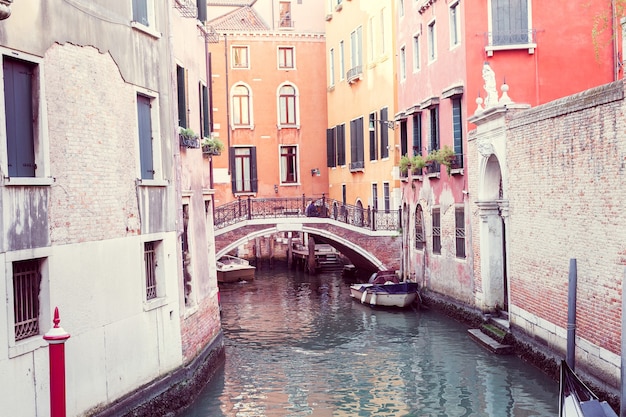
x: 566, y: 187
x: 93, y: 149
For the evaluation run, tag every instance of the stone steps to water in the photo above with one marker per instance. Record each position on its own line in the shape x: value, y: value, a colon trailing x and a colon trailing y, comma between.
x: 494, y: 336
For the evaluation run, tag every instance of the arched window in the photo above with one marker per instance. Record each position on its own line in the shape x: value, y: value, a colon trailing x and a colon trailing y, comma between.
x: 287, y: 105
x: 419, y: 228
x: 241, y: 105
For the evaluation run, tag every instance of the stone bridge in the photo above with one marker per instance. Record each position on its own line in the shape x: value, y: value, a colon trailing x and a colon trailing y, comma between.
x: 370, y: 239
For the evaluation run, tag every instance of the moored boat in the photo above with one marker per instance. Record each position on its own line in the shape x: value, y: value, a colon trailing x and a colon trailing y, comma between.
x: 385, y: 290
x: 233, y: 269
x: 577, y: 400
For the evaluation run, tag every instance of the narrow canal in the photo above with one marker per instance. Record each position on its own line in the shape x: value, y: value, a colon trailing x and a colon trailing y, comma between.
x: 297, y: 345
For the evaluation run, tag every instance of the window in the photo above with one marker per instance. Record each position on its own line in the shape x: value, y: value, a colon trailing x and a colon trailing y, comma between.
x: 342, y: 57
x: 344, y: 194
x: 181, y: 89
x: 436, y: 231
x: 455, y: 24
x: 356, y: 52
x: 373, y: 138
x: 240, y: 57
x: 357, y: 157
x: 26, y: 298
x: 286, y: 57
x: 143, y: 12
x: 153, y: 258
x: 285, y: 15
x: 434, y: 128
x: 402, y: 63
x: 186, y: 255
x: 241, y: 105
x: 25, y: 130
x: 417, y: 134
x: 384, y: 135
x: 432, y: 42
x: 205, y: 115
x: 401, y: 7
x: 341, y: 145
x: 287, y: 105
x: 381, y: 32
x: 404, y: 141
x: 244, y: 177
x: 288, y: 164
x: 144, y: 123
x: 331, y: 67
x: 331, y: 152
x: 510, y: 22
x: 459, y: 231
x: 416, y: 53
x: 371, y: 49
x: 386, y: 197
x: 420, y: 239
x: 375, y: 197
x: 457, y: 131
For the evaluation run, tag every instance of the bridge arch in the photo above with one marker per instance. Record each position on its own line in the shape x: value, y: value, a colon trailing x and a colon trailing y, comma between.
x: 359, y: 255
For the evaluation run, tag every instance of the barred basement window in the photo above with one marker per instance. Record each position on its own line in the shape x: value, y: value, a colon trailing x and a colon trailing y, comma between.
x: 150, y: 261
x: 436, y: 231
x: 459, y: 215
x: 26, y: 285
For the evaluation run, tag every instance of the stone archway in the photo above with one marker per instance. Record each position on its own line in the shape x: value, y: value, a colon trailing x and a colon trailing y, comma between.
x: 493, y: 209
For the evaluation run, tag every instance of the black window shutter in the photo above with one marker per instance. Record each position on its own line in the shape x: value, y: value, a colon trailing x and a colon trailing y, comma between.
x: 360, y: 140
x: 182, y: 101
x: 18, y: 96
x: 253, y: 174
x: 330, y: 148
x: 233, y: 174
x: 201, y: 4
x: 384, y: 135
x: 353, y: 142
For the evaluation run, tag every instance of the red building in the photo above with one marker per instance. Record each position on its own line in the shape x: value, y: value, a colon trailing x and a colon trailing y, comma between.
x: 453, y: 58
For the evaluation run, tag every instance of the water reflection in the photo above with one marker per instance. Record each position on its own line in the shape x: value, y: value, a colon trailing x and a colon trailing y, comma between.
x: 297, y: 345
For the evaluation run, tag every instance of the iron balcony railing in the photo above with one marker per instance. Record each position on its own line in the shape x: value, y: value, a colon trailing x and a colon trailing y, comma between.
x: 266, y: 208
x: 520, y: 37
x: 354, y: 73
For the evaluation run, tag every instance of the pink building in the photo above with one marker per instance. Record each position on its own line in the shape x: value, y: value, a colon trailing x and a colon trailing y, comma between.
x: 451, y: 60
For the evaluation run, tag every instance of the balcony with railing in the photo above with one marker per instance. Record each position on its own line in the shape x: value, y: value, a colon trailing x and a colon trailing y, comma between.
x: 354, y: 74
x: 506, y: 40
x: 357, y: 166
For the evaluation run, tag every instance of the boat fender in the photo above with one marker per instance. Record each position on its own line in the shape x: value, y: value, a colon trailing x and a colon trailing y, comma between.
x: 364, y: 296
x: 373, y: 299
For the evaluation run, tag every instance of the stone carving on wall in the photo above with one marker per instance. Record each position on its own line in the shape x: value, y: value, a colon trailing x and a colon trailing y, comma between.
x: 5, y: 9
x: 485, y: 148
x: 489, y: 76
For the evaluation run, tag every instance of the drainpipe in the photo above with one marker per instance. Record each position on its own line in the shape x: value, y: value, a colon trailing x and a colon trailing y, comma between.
x: 571, y: 315
x: 227, y: 99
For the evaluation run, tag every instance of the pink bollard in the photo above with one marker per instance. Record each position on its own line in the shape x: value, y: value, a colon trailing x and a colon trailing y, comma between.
x: 56, y: 338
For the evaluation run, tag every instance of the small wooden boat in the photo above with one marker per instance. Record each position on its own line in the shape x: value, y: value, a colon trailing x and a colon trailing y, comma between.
x: 577, y: 400
x: 233, y: 269
x: 384, y: 289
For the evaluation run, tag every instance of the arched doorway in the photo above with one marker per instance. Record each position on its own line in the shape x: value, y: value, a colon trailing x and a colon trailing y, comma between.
x: 492, y: 228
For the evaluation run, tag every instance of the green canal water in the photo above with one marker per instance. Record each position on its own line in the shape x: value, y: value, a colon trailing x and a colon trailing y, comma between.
x: 298, y: 345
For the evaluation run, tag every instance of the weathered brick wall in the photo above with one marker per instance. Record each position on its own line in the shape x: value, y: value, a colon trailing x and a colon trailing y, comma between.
x: 566, y: 188
x: 200, y: 327
x: 93, y: 149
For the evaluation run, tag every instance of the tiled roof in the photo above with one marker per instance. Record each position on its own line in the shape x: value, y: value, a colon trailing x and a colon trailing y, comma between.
x: 231, y: 3
x: 242, y: 19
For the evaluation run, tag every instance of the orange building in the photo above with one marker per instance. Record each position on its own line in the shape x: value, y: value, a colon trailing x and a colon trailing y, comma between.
x: 361, y: 150
x: 268, y: 99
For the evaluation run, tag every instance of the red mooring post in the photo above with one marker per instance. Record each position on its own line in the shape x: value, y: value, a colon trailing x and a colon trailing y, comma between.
x: 56, y: 338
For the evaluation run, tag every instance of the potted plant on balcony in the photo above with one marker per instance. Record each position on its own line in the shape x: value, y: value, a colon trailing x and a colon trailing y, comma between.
x: 447, y: 157
x: 212, y: 145
x: 189, y: 138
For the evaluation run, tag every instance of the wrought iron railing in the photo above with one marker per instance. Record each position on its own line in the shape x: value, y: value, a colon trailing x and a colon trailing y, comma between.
x: 354, y: 73
x: 520, y: 37
x: 263, y: 208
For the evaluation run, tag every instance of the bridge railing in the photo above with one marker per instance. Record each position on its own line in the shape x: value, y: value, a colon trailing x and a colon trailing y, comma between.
x: 262, y: 208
